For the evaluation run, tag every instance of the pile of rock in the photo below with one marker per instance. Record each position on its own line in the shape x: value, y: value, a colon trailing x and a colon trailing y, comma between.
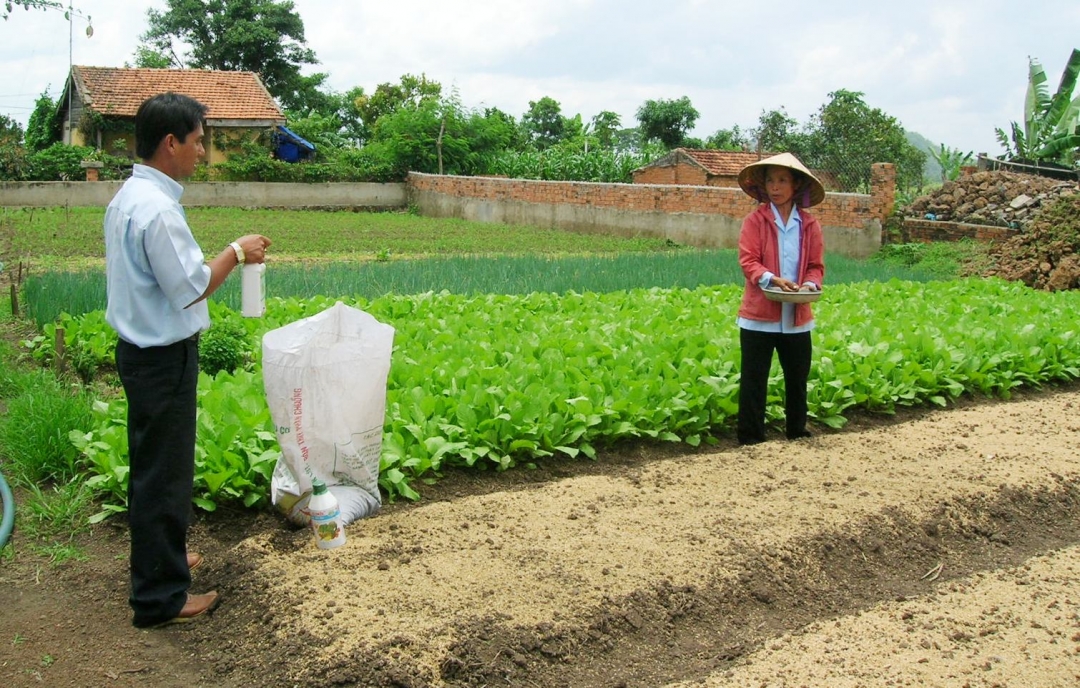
x: 1000, y: 199
x: 1046, y: 254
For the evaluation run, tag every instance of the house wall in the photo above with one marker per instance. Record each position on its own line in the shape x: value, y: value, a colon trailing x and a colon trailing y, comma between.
x: 682, y: 173
x: 219, y: 142
x: 686, y: 173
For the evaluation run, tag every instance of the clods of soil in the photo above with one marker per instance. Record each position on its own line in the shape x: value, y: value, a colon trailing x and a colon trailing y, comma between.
x: 935, y: 548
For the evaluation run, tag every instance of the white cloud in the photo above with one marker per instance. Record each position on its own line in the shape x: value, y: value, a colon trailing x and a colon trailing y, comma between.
x: 951, y: 70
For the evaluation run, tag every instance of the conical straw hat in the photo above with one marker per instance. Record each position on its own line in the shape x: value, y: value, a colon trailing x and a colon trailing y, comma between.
x: 752, y: 180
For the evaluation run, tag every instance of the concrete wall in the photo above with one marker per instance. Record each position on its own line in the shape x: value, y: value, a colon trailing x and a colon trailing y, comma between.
x: 235, y: 194
x: 702, y: 216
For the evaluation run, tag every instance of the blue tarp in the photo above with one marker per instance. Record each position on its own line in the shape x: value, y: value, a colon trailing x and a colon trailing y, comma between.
x: 291, y: 147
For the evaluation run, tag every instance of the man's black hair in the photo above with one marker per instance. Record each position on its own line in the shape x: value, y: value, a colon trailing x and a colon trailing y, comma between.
x: 164, y: 114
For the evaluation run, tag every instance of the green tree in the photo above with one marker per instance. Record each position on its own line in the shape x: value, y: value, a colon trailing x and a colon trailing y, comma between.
x: 847, y: 136
x: 324, y: 131
x: 605, y: 125
x: 147, y: 58
x: 12, y: 152
x: 494, y: 124
x: 778, y: 132
x: 667, y: 121
x: 10, y: 130
x: 733, y: 139
x: 410, y: 94
x: 544, y: 124
x: 427, y: 137
x: 335, y: 115
x: 349, y: 114
x: 629, y: 141
x: 1051, y: 130
x: 10, y: 6
x: 263, y: 36
x: 45, y: 126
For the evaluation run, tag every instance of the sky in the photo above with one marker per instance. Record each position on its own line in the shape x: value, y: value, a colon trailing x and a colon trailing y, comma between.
x: 950, y: 70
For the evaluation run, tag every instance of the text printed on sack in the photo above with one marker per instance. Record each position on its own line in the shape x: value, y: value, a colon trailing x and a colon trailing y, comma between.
x: 298, y: 420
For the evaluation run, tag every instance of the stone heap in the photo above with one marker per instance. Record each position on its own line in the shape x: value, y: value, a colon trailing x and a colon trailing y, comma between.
x: 1000, y: 199
x: 1046, y: 253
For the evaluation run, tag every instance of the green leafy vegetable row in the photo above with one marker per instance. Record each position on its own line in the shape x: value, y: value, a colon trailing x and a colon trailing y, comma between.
x: 499, y: 380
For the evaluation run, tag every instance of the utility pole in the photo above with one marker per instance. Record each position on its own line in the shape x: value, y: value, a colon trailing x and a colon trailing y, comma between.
x: 70, y: 13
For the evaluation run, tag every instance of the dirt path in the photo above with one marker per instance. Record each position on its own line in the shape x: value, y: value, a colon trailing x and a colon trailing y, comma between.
x: 934, y: 550
x: 1011, y: 627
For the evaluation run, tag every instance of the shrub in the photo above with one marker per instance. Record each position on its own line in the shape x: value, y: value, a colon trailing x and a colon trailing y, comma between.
x: 253, y: 163
x: 60, y: 162
x: 224, y: 347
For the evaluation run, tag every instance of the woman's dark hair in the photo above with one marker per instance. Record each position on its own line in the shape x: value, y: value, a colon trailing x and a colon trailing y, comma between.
x: 802, y: 188
x: 164, y: 114
x: 799, y: 181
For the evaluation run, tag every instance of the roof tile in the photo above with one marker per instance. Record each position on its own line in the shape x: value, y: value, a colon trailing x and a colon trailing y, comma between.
x: 227, y: 95
x: 721, y: 162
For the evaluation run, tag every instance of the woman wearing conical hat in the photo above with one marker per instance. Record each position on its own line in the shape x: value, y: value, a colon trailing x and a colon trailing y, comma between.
x: 780, y: 247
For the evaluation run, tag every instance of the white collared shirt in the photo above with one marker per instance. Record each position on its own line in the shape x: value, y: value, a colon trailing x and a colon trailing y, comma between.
x: 154, y: 267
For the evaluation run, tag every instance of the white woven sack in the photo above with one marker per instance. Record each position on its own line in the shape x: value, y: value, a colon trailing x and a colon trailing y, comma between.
x: 325, y: 380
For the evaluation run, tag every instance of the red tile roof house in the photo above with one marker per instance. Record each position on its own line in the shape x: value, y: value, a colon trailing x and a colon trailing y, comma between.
x: 104, y: 101
x: 696, y: 167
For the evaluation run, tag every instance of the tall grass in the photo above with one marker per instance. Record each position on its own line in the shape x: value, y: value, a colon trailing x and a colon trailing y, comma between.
x: 49, y: 294
x: 61, y: 509
x: 33, y: 433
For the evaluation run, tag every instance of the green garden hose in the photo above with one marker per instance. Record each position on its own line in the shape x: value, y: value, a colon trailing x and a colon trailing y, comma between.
x: 8, y: 521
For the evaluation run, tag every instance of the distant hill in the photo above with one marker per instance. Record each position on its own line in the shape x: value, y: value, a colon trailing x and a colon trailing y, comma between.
x: 931, y: 170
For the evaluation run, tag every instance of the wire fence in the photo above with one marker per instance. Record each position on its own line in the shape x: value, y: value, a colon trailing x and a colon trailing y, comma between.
x: 1041, y: 169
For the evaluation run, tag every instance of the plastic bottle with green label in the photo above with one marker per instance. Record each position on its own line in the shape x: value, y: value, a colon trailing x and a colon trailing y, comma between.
x: 325, y: 517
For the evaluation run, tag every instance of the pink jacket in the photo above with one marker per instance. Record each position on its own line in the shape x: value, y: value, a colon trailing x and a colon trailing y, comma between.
x: 759, y: 252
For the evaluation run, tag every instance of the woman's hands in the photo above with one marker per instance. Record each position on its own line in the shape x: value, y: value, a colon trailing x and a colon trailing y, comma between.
x: 788, y: 285
x: 783, y: 284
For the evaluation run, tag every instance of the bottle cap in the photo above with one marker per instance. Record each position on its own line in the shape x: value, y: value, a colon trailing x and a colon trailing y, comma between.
x: 318, y: 487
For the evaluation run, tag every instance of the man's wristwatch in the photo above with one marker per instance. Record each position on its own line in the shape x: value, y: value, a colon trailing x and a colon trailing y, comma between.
x: 239, y: 253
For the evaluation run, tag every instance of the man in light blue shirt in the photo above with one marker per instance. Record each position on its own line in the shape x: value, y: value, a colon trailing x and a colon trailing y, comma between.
x: 157, y: 282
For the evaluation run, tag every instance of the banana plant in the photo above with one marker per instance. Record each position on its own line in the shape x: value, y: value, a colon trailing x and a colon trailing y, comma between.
x: 950, y: 160
x: 1051, y: 128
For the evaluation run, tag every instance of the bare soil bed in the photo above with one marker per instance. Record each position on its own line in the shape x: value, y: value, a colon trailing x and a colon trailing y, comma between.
x: 934, y: 548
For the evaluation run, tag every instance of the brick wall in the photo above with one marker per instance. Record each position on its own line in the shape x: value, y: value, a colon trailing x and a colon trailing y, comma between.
x: 926, y: 231
x: 838, y: 209
x: 668, y: 198
x: 707, y: 216
x: 882, y: 189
